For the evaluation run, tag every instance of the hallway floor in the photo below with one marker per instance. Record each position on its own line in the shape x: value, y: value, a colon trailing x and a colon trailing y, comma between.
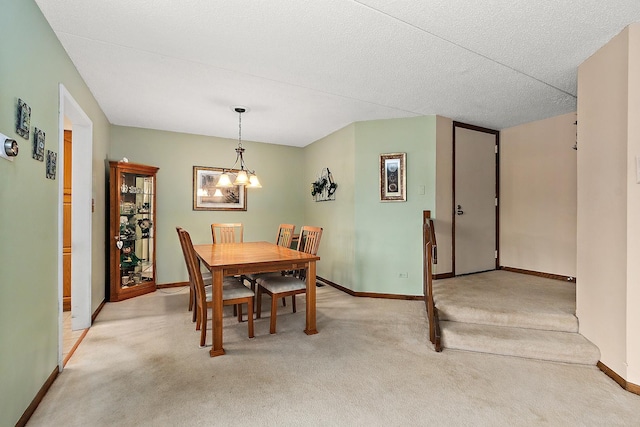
x: 69, y: 337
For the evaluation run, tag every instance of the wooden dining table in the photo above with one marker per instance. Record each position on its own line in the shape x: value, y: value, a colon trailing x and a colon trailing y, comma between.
x: 232, y: 259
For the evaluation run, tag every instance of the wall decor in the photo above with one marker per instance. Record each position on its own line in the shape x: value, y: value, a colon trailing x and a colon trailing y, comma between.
x: 393, y: 177
x: 52, y: 159
x: 38, y: 144
x: 8, y: 147
x: 23, y: 119
x: 324, y: 188
x: 208, y: 197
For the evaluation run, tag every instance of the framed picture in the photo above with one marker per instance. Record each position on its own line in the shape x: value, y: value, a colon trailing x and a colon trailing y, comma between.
x: 393, y: 177
x: 23, y: 119
x: 52, y: 159
x: 38, y: 144
x: 208, y: 197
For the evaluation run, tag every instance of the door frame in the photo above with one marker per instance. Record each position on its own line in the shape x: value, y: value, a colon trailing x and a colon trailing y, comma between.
x: 497, y: 191
x: 81, y: 210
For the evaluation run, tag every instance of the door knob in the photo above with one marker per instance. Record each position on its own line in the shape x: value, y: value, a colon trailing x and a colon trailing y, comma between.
x: 459, y: 210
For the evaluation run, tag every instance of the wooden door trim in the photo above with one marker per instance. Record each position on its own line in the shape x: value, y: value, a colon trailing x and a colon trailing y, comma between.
x: 496, y: 133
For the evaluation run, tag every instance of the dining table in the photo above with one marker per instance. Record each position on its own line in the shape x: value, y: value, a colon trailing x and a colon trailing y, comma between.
x: 233, y: 259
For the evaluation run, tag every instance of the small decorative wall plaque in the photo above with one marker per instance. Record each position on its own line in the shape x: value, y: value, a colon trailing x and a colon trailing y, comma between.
x: 52, y: 159
x: 23, y: 122
x: 38, y: 144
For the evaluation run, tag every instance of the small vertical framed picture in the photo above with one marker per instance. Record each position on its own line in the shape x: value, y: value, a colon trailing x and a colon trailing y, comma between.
x: 52, y: 160
x: 393, y: 177
x: 38, y: 144
x: 23, y: 119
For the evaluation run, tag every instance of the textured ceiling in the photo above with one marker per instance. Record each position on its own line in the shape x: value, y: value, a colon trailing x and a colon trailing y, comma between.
x: 308, y: 68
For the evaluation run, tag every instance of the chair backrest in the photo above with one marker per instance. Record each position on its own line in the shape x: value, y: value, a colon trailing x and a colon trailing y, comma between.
x: 192, y: 264
x: 285, y: 235
x: 184, y: 251
x: 227, y: 233
x: 309, y: 240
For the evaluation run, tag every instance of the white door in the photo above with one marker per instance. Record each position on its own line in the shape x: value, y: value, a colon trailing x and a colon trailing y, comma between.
x: 475, y: 200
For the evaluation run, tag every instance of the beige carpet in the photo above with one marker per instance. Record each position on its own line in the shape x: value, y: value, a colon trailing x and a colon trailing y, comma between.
x: 370, y: 365
x: 506, y: 313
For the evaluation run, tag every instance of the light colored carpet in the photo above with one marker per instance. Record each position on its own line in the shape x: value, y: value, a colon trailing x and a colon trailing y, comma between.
x: 505, y: 298
x: 370, y: 365
x: 512, y: 314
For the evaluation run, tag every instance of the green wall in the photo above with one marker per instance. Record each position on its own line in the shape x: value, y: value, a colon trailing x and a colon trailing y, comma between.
x: 278, y: 201
x: 388, y: 235
x: 32, y: 64
x: 336, y: 217
x: 366, y: 243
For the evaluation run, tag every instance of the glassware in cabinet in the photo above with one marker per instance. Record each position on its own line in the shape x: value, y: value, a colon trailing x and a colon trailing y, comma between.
x: 132, y: 216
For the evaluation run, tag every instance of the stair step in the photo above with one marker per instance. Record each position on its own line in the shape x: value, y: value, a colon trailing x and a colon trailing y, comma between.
x: 558, y: 321
x: 538, y: 344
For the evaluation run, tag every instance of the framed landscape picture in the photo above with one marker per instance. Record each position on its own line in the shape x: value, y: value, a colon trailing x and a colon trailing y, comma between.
x: 393, y: 177
x: 208, y: 197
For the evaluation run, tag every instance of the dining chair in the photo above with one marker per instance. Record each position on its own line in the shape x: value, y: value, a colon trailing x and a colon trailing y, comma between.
x: 206, y: 276
x: 233, y: 293
x: 279, y: 286
x: 231, y: 232
x: 283, y: 238
x: 227, y: 232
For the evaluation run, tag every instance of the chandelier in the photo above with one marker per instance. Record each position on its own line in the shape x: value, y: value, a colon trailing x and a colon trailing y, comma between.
x: 244, y: 176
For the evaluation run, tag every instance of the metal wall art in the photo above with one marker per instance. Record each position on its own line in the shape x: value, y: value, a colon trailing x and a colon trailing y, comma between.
x: 324, y: 188
x: 38, y: 144
x: 52, y: 159
x: 23, y: 116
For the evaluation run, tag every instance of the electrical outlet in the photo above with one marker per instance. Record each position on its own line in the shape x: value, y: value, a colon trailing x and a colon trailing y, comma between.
x: 403, y: 275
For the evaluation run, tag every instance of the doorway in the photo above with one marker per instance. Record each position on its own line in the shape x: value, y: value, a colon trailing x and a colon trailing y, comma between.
x: 81, y: 207
x: 475, y: 196
x: 66, y: 221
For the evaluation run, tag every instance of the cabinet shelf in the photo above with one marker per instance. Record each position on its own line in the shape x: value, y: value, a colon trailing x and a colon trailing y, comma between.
x: 132, y: 216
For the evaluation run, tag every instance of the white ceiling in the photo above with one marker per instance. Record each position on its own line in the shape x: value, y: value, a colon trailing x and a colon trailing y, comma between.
x: 306, y: 68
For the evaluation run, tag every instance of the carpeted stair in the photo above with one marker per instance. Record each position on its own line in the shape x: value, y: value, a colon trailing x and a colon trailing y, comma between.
x: 512, y: 314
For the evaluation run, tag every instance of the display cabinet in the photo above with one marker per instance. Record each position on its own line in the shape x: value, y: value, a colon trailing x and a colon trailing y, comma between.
x: 132, y: 219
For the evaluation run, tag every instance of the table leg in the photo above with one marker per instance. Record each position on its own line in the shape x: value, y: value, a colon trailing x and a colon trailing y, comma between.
x: 216, y: 316
x: 311, y: 299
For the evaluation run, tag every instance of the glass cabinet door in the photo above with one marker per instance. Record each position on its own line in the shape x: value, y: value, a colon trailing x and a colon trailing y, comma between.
x: 132, y: 222
x: 136, y: 229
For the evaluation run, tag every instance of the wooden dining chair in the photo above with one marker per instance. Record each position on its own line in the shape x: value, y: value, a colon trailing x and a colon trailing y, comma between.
x: 227, y: 232
x: 206, y: 276
x: 233, y: 293
x: 283, y: 238
x: 279, y: 286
